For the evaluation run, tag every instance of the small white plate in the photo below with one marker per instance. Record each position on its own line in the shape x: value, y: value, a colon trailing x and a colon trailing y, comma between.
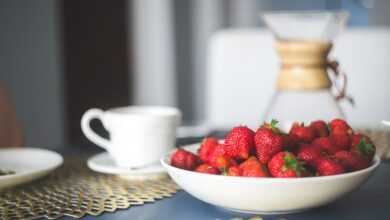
x: 27, y: 163
x: 104, y: 163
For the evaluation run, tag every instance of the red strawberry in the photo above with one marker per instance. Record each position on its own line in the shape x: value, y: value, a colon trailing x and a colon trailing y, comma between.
x: 184, y: 159
x: 252, y: 168
x: 238, y: 142
x: 309, y: 153
x: 233, y: 162
x: 351, y: 160
x: 363, y: 145
x: 289, y: 142
x: 220, y: 162
x: 302, y: 133
x: 284, y: 164
x: 234, y: 171
x: 326, y: 144
x: 206, y: 168
x: 218, y: 150
x: 341, y: 125
x: 208, y: 145
x: 340, y: 132
x: 341, y: 138
x: 218, y: 158
x: 328, y: 166
x: 268, y: 141
x: 342, y: 141
x: 320, y: 127
x: 356, y: 139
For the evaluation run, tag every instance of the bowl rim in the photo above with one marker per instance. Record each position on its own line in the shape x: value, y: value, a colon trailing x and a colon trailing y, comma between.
x: 164, y: 161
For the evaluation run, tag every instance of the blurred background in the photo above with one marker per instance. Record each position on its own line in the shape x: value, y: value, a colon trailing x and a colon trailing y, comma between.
x: 59, y: 58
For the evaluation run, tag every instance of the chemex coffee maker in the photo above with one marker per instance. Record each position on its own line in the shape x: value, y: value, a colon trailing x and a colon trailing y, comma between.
x: 309, y: 85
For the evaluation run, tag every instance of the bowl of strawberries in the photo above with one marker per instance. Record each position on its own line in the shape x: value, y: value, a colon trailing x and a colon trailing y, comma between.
x: 269, y: 171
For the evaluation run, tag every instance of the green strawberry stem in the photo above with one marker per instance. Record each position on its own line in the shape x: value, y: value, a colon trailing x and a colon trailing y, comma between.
x: 290, y: 162
x: 328, y: 127
x: 273, y: 126
x: 223, y: 171
x: 273, y: 123
x: 365, y: 148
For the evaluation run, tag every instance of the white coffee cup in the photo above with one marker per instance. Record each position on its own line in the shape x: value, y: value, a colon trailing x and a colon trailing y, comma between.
x: 139, y: 135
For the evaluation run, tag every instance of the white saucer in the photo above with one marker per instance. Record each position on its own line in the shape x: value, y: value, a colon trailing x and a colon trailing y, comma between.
x: 104, y: 163
x: 27, y: 163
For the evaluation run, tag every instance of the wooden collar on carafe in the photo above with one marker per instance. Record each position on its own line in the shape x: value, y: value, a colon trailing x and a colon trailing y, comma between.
x: 304, y: 65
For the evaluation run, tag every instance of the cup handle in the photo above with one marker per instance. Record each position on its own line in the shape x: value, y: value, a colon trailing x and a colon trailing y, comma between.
x: 93, y: 113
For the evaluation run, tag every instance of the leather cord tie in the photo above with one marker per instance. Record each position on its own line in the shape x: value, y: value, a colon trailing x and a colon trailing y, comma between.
x: 339, y: 82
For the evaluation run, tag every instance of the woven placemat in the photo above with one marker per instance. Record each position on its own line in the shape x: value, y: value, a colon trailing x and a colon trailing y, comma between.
x: 73, y: 190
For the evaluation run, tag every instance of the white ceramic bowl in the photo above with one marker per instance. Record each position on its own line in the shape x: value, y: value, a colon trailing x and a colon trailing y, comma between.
x: 266, y: 195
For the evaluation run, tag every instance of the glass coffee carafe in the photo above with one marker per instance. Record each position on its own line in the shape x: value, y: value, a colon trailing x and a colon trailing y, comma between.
x: 308, y: 85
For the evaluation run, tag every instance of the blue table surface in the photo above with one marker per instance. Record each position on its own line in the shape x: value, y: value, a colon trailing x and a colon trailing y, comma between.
x: 370, y: 201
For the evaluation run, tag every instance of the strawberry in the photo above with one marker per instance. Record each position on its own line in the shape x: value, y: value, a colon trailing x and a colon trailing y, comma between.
x: 208, y: 145
x: 219, y: 159
x: 268, y: 141
x: 220, y: 162
x: 308, y: 153
x: 340, y: 125
x: 184, y: 159
x: 284, y: 164
x: 253, y: 168
x: 320, y: 127
x: 356, y: 139
x: 363, y: 145
x: 289, y: 142
x: 206, y: 168
x: 351, y: 160
x: 326, y: 144
x: 328, y: 166
x: 234, y: 171
x: 302, y: 133
x: 341, y: 138
x: 342, y: 141
x: 218, y: 150
x: 238, y: 142
x: 233, y: 162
